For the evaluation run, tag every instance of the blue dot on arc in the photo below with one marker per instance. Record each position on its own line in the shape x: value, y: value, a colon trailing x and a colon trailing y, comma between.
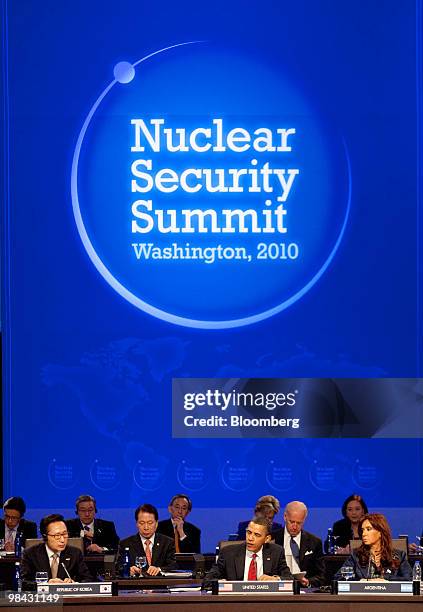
x: 124, y: 72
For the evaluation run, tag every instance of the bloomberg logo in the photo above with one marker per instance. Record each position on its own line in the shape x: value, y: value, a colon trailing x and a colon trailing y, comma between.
x: 206, y: 189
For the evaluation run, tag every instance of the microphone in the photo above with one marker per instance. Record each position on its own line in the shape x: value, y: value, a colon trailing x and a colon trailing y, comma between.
x: 66, y: 570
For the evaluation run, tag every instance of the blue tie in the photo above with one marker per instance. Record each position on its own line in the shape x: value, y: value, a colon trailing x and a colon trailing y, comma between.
x: 295, y: 550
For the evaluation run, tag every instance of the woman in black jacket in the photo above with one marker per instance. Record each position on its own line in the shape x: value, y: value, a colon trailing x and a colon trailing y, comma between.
x: 353, y: 510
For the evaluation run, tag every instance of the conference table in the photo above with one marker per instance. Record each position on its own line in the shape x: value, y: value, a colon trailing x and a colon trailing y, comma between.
x: 155, y: 593
x: 97, y: 564
x: 190, y: 602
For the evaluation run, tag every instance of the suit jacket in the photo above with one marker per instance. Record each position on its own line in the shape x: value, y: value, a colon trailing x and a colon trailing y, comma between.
x: 311, y: 556
x: 35, y: 559
x: 104, y: 533
x: 28, y: 529
x: 231, y: 561
x: 244, y: 524
x: 402, y: 572
x: 189, y: 544
x: 163, y: 551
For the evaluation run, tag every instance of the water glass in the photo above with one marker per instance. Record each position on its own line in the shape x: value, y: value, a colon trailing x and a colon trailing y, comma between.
x: 41, y: 577
x: 348, y: 572
x: 141, y: 563
x: 1, y: 544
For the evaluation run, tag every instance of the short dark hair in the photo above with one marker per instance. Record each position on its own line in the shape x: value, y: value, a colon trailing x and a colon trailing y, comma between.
x: 15, y: 503
x: 183, y: 496
x: 261, y: 520
x: 357, y: 498
x: 47, y: 520
x: 149, y: 508
x: 85, y: 498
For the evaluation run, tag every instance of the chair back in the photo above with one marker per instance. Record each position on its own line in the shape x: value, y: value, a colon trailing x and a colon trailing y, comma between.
x: 398, y: 543
x: 224, y: 543
x: 76, y: 542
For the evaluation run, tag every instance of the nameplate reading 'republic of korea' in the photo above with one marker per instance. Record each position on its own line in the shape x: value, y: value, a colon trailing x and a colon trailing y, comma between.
x: 76, y: 589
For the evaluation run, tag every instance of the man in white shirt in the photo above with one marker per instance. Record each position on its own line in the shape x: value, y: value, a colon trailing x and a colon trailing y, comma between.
x: 303, y: 550
x: 256, y: 559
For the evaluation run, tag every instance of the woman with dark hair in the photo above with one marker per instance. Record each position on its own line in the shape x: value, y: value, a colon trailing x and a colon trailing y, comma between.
x: 375, y: 558
x: 353, y: 510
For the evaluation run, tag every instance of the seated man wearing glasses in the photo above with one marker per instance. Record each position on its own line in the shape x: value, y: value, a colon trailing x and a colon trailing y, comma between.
x: 158, y: 549
x: 62, y: 563
x: 13, y: 523
x: 185, y: 535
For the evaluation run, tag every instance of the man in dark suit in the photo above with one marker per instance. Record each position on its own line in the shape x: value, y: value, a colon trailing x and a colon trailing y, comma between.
x: 303, y: 550
x: 13, y: 523
x: 99, y: 536
x: 185, y: 535
x: 158, y: 549
x: 63, y: 563
x: 257, y: 559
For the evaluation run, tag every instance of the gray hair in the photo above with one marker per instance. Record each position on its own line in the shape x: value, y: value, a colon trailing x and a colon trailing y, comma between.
x: 297, y: 505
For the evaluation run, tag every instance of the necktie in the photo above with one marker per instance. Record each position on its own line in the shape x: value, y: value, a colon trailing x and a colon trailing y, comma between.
x: 148, y: 551
x: 11, y: 536
x: 295, y: 550
x: 252, y: 570
x: 87, y: 541
x: 177, y: 549
x: 54, y: 565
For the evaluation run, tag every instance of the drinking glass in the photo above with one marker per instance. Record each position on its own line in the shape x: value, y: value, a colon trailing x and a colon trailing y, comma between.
x: 141, y: 563
x: 1, y: 544
x: 41, y: 577
x: 347, y: 572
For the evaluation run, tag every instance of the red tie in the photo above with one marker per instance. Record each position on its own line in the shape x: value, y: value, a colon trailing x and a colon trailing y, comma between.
x: 148, y: 551
x: 252, y: 570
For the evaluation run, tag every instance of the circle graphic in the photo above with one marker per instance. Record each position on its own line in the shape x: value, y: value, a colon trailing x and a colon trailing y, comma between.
x: 206, y: 189
x: 104, y: 476
x: 237, y: 476
x: 148, y: 476
x: 61, y: 474
x: 366, y: 475
x: 281, y: 475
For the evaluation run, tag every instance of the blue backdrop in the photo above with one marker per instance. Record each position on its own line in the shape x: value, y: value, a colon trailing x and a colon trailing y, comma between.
x: 87, y: 373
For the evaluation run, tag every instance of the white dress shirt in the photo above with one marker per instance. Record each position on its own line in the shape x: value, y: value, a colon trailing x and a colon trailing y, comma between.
x: 83, y: 530
x: 259, y: 563
x: 290, y: 561
x: 50, y: 555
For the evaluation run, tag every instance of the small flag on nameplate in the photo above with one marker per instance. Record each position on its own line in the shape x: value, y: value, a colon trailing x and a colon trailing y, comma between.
x: 225, y: 587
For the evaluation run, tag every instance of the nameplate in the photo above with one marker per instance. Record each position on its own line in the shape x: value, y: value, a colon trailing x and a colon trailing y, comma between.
x: 255, y: 586
x: 375, y: 588
x: 76, y: 589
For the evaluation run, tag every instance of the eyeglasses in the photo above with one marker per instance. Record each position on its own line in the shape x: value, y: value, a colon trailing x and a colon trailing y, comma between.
x: 146, y: 523
x: 58, y: 536
x: 11, y: 518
